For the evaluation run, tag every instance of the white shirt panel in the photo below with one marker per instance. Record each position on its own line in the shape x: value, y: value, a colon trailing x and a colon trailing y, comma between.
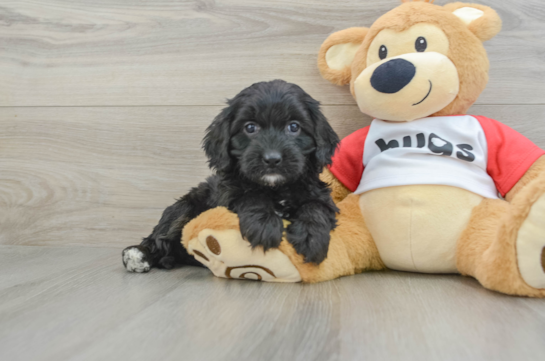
x: 438, y: 150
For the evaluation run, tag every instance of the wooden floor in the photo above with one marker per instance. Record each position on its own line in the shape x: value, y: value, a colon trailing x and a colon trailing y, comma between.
x: 103, y: 104
x: 73, y: 303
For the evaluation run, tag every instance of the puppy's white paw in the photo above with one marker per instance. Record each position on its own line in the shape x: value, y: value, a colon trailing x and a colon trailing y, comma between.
x: 135, y: 260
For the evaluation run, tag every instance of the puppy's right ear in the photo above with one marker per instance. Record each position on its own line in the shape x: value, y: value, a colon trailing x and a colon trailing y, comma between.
x: 337, y: 53
x: 217, y: 139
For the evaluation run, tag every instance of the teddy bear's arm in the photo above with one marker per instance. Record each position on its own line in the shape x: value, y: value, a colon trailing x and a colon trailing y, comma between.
x: 338, y: 190
x: 344, y: 175
x: 513, y: 160
x: 537, y: 170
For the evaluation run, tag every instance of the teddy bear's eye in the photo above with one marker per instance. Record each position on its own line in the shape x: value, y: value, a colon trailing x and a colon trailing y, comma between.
x: 382, y: 52
x: 421, y: 44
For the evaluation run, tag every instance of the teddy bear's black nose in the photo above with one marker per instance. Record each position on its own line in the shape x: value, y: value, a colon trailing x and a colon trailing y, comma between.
x: 393, y: 76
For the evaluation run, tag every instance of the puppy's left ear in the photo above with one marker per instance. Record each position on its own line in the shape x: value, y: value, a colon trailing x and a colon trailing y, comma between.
x: 325, y: 137
x: 217, y: 139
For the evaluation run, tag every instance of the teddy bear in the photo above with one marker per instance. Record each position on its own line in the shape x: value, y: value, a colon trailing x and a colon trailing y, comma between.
x: 424, y: 188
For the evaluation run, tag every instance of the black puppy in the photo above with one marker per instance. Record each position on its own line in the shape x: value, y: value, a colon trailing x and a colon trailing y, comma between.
x: 268, y: 148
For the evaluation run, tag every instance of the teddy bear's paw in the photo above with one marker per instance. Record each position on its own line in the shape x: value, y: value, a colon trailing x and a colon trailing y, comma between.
x: 531, y: 246
x: 135, y: 259
x: 228, y: 255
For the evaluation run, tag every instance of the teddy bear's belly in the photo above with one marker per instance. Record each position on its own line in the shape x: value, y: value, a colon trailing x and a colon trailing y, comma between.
x: 416, y: 227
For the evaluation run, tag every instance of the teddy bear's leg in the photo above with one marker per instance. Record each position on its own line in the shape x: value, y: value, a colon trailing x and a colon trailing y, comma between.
x: 503, y: 246
x: 351, y: 248
x: 214, y: 239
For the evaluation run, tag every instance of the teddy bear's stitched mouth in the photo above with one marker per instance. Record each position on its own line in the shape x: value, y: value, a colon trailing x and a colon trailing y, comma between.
x: 427, y: 95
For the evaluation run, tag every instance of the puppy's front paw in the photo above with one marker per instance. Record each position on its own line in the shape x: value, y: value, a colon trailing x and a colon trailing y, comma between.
x: 262, y: 230
x: 136, y: 259
x: 309, y: 239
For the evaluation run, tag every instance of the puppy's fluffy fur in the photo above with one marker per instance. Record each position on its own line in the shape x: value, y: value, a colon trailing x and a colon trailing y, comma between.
x: 268, y: 147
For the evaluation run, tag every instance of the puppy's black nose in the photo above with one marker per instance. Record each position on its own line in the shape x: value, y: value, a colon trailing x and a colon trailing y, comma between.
x: 393, y: 76
x: 272, y: 158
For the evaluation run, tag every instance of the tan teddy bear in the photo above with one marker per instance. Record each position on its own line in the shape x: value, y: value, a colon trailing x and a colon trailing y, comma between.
x: 421, y: 189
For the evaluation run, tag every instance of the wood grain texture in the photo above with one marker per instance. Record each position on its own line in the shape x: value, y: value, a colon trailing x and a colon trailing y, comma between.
x: 80, y: 304
x: 102, y: 176
x: 103, y: 105
x: 84, y: 175
x: 171, y: 52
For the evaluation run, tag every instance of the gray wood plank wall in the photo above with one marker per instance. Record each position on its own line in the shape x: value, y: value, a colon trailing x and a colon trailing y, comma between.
x: 103, y: 103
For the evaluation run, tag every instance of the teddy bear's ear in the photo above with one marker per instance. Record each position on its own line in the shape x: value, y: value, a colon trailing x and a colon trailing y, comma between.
x: 337, y: 52
x: 481, y: 20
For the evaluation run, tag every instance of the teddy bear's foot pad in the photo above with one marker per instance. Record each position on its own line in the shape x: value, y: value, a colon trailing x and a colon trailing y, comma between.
x: 135, y: 259
x: 531, y: 246
x: 228, y: 255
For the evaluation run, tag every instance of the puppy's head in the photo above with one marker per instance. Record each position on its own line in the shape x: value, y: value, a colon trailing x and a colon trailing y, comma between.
x: 272, y: 133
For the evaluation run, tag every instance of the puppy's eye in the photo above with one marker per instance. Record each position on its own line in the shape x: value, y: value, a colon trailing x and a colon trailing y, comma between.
x: 251, y: 128
x: 294, y: 127
x: 382, y: 52
x: 421, y: 44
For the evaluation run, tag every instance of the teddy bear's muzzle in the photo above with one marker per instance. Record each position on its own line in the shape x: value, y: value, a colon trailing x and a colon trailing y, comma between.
x: 407, y: 87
